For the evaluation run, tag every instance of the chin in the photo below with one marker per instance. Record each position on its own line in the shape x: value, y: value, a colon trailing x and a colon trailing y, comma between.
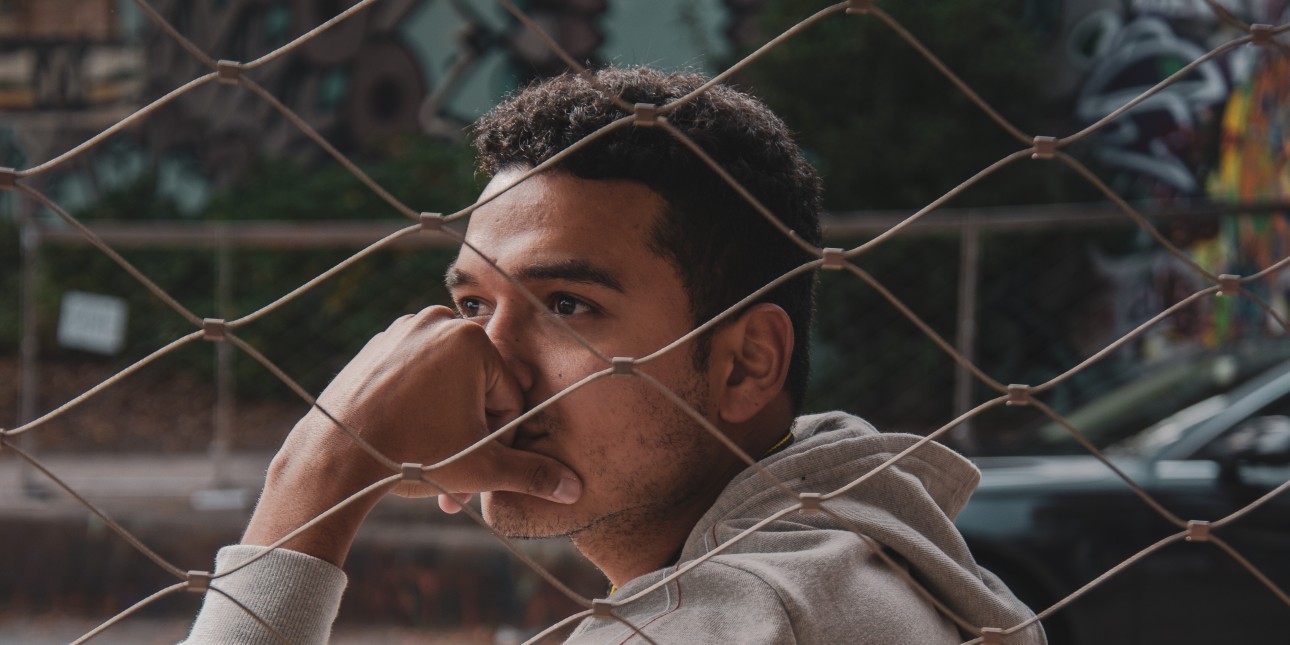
x: 517, y: 515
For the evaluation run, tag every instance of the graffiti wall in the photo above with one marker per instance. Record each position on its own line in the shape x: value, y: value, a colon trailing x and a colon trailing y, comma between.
x: 1220, y: 134
x: 398, y: 67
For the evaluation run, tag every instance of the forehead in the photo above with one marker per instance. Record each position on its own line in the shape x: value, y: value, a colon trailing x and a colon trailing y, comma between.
x: 555, y: 217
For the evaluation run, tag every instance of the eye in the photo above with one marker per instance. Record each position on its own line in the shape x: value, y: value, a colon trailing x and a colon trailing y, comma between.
x: 564, y: 304
x: 472, y: 307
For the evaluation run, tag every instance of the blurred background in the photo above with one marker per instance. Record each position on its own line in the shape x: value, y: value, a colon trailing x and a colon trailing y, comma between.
x: 228, y: 206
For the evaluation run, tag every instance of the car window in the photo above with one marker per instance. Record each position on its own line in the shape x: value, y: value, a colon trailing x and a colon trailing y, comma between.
x: 1151, y: 409
x: 1164, y: 433
x: 1271, y: 420
x: 1144, y: 408
x: 1147, y: 402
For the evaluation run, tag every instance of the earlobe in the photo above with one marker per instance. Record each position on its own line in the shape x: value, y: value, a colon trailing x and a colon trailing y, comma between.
x: 756, y: 347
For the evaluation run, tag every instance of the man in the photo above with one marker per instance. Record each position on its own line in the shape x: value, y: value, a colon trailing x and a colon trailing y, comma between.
x: 625, y: 247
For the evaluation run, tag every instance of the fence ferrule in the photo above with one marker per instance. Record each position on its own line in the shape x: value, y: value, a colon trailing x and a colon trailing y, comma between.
x: 833, y: 259
x: 1198, y: 531
x: 431, y: 221
x: 646, y: 114
x: 860, y: 6
x: 811, y: 502
x: 1229, y: 285
x: 623, y: 366
x: 991, y: 636
x: 214, y: 329
x: 198, y: 581
x: 411, y: 472
x: 230, y: 72
x: 1045, y: 148
x: 1262, y: 34
x: 1018, y: 394
x: 601, y: 608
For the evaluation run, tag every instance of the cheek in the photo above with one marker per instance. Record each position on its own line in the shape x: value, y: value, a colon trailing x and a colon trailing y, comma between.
x: 610, y: 420
x: 565, y: 362
x: 622, y: 419
x: 596, y: 406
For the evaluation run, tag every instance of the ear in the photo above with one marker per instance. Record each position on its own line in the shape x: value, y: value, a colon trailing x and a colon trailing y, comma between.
x: 752, y: 354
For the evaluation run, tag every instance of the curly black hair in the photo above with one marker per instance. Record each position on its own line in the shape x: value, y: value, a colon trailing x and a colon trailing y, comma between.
x: 721, y: 246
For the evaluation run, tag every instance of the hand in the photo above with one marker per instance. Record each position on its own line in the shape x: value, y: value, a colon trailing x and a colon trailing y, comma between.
x: 421, y: 391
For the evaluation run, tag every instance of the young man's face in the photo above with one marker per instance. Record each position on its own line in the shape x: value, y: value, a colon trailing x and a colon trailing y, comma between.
x: 582, y: 248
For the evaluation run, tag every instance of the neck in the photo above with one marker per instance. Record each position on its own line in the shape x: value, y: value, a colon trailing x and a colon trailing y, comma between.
x: 637, y: 541
x: 627, y: 547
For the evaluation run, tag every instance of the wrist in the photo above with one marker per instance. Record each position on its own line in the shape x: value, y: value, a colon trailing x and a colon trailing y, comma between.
x: 301, y: 485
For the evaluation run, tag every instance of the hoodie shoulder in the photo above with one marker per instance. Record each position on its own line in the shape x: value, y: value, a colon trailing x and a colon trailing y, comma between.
x: 833, y: 450
x: 889, y: 501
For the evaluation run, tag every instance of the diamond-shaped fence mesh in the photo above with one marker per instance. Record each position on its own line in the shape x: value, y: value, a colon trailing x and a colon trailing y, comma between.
x: 296, y: 341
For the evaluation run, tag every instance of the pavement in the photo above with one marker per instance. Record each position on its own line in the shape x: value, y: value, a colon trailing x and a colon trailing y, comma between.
x: 131, y: 484
x: 184, y: 507
x: 196, y: 491
x: 60, y: 630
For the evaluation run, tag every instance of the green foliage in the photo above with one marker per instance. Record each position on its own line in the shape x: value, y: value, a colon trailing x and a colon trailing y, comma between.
x: 422, y: 173
x: 136, y: 200
x: 885, y: 128
x: 313, y: 335
x: 1039, y: 307
x: 869, y: 358
x: 10, y: 285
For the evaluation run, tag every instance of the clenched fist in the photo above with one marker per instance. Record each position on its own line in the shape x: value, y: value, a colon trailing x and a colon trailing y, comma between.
x: 427, y: 388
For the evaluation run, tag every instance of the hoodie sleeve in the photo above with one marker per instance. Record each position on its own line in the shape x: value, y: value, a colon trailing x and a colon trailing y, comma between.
x: 297, y: 594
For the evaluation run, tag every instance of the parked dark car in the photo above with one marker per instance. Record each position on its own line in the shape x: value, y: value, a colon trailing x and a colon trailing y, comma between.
x: 1049, y: 524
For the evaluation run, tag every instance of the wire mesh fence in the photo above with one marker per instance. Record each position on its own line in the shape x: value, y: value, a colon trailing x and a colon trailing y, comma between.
x: 186, y: 324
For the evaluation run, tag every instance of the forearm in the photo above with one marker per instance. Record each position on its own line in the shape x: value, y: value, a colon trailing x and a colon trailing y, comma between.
x: 306, y: 482
x: 294, y: 589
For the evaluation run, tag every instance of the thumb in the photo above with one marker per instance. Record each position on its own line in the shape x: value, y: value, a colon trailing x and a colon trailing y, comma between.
x: 523, y: 471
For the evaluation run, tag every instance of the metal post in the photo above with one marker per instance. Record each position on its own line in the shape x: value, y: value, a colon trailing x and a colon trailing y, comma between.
x: 224, y: 391
x: 965, y: 338
x: 29, y: 345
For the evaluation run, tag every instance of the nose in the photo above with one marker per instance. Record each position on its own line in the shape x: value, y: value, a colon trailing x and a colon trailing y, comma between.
x: 509, y: 330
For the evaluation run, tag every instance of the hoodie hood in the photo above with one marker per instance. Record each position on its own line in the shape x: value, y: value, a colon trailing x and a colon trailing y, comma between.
x: 908, y: 508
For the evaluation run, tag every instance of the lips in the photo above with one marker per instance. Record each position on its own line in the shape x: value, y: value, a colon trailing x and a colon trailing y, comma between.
x: 526, y: 437
x: 540, y: 426
x: 534, y: 429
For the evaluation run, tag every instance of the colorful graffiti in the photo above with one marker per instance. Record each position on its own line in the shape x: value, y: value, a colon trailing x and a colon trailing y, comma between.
x: 1254, y: 168
x: 1156, y: 150
x: 394, y: 68
x: 1220, y: 134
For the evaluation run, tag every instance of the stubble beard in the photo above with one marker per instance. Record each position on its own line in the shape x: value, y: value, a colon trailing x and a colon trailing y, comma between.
x: 688, y: 445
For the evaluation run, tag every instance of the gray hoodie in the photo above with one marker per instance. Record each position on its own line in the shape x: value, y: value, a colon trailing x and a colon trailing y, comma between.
x: 805, y: 578
x: 802, y: 578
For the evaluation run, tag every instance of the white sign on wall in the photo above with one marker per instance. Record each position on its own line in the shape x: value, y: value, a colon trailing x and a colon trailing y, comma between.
x: 92, y: 322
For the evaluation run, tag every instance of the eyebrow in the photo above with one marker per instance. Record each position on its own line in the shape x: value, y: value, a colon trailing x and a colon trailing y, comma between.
x: 579, y: 271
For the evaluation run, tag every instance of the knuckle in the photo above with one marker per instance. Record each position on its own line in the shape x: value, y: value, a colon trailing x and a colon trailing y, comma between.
x: 432, y: 315
x: 437, y: 311
x: 464, y: 331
